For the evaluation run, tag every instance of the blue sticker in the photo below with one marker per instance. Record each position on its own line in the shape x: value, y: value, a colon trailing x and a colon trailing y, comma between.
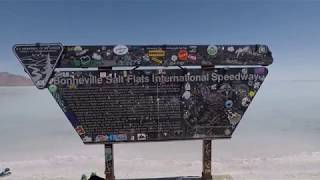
x: 228, y: 104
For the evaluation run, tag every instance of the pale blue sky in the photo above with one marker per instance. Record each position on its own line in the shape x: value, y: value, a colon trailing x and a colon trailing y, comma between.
x: 291, y: 29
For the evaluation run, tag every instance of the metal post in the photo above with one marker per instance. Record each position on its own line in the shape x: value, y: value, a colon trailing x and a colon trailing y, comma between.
x: 206, y: 160
x: 109, y: 163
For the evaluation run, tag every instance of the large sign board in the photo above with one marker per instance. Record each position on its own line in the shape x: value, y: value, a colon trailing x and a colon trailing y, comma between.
x: 116, y: 106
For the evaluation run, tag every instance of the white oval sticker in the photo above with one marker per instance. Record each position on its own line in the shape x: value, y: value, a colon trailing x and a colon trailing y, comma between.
x: 120, y: 50
x: 212, y: 50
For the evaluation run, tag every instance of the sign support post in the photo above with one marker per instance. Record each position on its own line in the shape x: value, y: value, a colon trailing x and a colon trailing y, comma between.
x: 206, y: 160
x: 109, y: 162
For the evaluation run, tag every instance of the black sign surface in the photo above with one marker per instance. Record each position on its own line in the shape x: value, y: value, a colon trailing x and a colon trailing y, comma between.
x: 155, y: 105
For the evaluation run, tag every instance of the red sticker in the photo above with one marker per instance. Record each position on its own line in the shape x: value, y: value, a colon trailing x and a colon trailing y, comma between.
x: 80, y: 130
x: 183, y: 55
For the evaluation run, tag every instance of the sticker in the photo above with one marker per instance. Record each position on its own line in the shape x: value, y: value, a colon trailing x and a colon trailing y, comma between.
x: 77, y: 48
x: 101, y: 138
x: 156, y: 53
x: 214, y: 87
x: 243, y: 51
x: 260, y: 71
x: 87, y: 139
x: 109, y: 52
x: 96, y: 56
x: 192, y: 57
x: 230, y: 49
x: 244, y: 71
x: 187, y: 86
x: 174, y: 58
x: 262, y: 49
x: 103, y: 74
x: 156, y: 60
x: 234, y: 118
x: 146, y: 58
x: 227, y: 132
x: 183, y: 55
x: 192, y: 49
x: 228, y: 104
x: 256, y: 85
x: 246, y: 101
x: 53, y: 88
x: 65, y: 74
x: 186, y: 95
x: 120, y: 137
x: 77, y: 62
x: 186, y: 114
x: 108, y: 154
x: 120, y: 50
x: 251, y: 93
x: 80, y: 130
x: 85, y: 60
x: 79, y: 51
x: 72, y: 86
x: 212, y: 50
x: 226, y: 88
x: 141, y: 137
x: 242, y: 90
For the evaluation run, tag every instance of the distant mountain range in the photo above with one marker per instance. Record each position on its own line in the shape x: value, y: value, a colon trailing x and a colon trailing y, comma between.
x: 8, y: 79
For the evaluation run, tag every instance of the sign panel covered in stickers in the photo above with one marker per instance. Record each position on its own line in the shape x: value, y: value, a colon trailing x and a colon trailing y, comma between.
x: 107, y: 105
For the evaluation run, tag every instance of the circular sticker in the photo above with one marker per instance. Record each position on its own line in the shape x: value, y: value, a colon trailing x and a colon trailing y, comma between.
x: 183, y: 55
x: 228, y: 104
x: 212, y: 50
x: 251, y: 93
x: 53, y: 88
x: 120, y: 50
x: 227, y: 132
x: 246, y: 101
x: 174, y: 58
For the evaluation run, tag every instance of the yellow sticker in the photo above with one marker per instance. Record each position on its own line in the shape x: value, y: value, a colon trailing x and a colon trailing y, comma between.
x: 156, y: 53
x: 158, y: 61
x: 72, y: 86
x: 252, y: 93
